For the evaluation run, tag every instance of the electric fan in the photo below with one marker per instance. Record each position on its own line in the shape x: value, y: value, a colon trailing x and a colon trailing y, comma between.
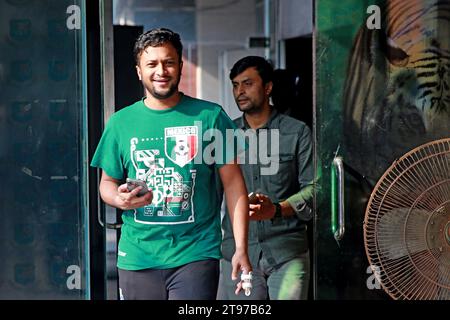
x: 407, y: 225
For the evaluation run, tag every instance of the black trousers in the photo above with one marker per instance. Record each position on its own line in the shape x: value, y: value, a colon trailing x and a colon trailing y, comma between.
x: 193, y: 281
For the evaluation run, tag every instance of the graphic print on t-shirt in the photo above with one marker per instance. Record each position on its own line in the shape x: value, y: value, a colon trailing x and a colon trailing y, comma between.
x: 172, y: 186
x: 180, y: 144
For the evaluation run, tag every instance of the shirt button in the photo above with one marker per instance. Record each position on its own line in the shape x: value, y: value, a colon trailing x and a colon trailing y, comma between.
x: 255, y: 178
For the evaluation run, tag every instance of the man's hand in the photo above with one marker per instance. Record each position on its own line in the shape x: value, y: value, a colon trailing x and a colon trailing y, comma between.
x: 240, y: 263
x: 264, y: 209
x: 127, y: 200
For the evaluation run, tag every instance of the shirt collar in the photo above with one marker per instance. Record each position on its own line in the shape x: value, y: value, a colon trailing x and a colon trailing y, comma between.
x: 243, y: 124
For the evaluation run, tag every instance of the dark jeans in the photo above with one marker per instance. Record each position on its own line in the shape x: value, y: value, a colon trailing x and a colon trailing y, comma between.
x: 193, y: 281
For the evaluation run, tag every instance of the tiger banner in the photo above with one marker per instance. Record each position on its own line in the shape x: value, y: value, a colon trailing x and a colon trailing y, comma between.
x: 382, y: 89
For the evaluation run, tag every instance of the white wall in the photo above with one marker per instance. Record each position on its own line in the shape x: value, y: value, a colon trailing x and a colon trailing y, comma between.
x: 295, y: 18
x: 221, y: 30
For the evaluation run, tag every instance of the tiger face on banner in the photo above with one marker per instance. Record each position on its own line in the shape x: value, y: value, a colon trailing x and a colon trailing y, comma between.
x: 397, y: 91
x: 159, y: 162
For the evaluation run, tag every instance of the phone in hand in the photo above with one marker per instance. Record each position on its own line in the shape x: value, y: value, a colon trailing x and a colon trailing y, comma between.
x: 134, y: 183
x: 252, y: 198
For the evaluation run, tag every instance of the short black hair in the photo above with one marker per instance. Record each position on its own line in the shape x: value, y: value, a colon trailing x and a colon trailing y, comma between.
x: 156, y: 38
x: 264, y: 67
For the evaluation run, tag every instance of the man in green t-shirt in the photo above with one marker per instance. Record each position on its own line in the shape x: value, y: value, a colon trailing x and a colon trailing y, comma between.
x: 171, y: 236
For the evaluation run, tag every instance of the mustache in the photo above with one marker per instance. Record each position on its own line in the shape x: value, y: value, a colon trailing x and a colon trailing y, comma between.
x: 162, y: 79
x: 241, y: 97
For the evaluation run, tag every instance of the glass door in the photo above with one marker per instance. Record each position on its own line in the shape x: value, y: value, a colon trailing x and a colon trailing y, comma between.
x: 382, y: 75
x: 43, y: 151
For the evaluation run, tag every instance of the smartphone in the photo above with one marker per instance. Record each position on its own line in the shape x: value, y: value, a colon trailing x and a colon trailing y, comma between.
x: 252, y: 198
x: 134, y: 183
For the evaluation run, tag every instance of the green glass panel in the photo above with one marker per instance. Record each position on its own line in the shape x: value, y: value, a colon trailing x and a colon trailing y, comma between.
x: 43, y: 150
x: 381, y: 85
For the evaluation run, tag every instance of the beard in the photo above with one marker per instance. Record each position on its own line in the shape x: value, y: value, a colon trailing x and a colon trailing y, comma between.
x: 162, y: 94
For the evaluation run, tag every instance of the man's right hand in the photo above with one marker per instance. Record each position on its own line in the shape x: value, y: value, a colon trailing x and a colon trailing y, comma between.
x: 128, y: 200
x: 240, y: 263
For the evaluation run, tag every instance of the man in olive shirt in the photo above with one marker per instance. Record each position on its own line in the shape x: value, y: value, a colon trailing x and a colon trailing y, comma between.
x: 278, y: 247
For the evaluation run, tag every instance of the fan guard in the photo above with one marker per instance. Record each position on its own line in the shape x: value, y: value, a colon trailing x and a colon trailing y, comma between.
x: 407, y: 225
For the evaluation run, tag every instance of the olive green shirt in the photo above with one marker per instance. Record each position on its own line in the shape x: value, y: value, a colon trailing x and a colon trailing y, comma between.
x: 279, y: 239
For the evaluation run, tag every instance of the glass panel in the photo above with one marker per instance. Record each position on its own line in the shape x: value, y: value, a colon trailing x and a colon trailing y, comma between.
x: 382, y: 82
x: 43, y: 150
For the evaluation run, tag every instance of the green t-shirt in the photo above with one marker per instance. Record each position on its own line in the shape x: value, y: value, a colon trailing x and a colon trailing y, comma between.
x: 170, y: 150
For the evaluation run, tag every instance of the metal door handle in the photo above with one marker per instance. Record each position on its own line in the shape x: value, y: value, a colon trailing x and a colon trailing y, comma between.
x: 107, y: 225
x: 337, y: 177
x: 100, y: 220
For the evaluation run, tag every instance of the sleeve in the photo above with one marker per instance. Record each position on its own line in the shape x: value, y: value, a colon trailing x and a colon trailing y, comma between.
x: 301, y: 202
x: 107, y: 155
x: 231, y: 145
